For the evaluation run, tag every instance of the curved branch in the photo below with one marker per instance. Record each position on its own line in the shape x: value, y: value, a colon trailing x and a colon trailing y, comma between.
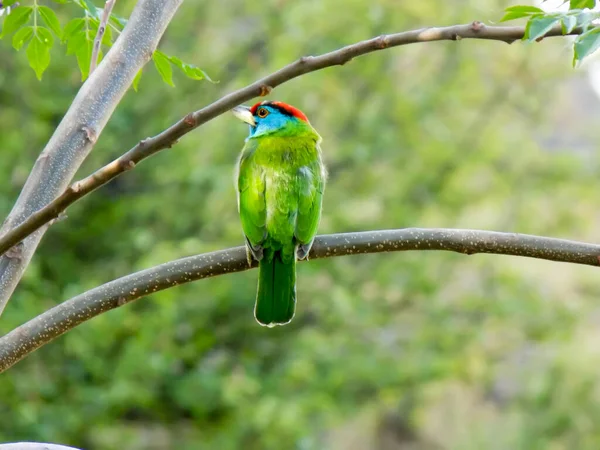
x: 42, y: 329
x: 79, y: 129
x: 262, y: 87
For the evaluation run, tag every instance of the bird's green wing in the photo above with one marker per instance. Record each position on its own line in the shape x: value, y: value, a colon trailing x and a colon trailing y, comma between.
x: 311, y: 184
x: 251, y: 197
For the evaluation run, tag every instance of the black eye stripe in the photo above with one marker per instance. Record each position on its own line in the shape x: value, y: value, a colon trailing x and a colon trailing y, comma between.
x: 283, y: 111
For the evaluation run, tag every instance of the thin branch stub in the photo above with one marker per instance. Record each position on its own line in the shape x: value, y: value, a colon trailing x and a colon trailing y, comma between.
x: 90, y: 134
x: 477, y: 26
x: 264, y: 90
x: 189, y: 120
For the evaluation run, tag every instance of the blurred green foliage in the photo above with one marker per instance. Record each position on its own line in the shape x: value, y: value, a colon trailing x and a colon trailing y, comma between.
x: 405, y: 350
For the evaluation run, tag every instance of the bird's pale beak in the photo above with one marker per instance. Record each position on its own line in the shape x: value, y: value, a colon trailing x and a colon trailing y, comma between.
x: 243, y: 113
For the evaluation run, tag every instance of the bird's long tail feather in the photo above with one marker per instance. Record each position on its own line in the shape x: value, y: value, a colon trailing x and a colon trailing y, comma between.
x: 276, y: 297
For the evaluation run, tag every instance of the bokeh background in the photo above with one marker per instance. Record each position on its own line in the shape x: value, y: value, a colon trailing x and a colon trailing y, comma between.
x: 415, y: 350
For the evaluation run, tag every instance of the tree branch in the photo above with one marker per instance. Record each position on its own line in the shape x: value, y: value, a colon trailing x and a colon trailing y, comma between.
x: 108, y: 6
x: 78, y: 131
x: 42, y: 329
x: 34, y: 446
x: 169, y: 137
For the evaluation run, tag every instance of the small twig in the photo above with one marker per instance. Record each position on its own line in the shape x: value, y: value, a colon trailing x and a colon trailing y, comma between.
x: 108, y: 6
x: 306, y: 64
x: 42, y: 329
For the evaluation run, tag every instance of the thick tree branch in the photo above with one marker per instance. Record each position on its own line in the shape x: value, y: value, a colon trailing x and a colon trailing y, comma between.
x: 78, y: 131
x: 108, y: 6
x: 169, y: 137
x: 42, y: 329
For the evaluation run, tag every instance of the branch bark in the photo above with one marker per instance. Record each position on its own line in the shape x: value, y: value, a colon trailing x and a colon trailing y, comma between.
x: 34, y: 446
x: 262, y: 87
x: 42, y: 329
x: 108, y: 6
x: 78, y: 131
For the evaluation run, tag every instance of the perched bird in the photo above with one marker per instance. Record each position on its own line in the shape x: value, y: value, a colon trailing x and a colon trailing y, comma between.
x: 280, y: 181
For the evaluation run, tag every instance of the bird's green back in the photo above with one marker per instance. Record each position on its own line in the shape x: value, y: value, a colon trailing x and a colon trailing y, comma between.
x: 281, y: 179
x: 280, y: 184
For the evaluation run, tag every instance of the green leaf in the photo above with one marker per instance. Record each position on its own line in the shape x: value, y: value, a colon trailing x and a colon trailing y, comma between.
x: 586, y: 44
x: 83, y: 52
x: 136, y: 80
x: 539, y: 26
x: 79, y: 37
x: 517, y: 12
x: 512, y: 16
x: 118, y: 22
x: 8, y: 3
x: 45, y: 36
x: 38, y: 54
x: 72, y: 27
x: 585, y: 19
x: 51, y: 20
x: 62, y: 2
x: 525, y: 10
x: 75, y: 42
x: 163, y: 65
x: 569, y: 23
x: 21, y: 36
x: 16, y: 19
x: 91, y: 8
x: 580, y: 4
x: 190, y: 70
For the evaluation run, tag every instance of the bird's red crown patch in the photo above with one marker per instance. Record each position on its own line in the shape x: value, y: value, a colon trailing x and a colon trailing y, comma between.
x: 284, y: 107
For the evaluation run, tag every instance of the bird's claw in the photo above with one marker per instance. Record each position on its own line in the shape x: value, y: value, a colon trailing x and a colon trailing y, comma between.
x: 303, y: 250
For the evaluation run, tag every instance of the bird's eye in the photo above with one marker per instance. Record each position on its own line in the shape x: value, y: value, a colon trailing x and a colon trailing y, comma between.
x: 262, y: 112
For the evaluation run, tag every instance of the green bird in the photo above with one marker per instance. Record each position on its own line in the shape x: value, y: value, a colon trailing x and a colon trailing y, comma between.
x: 280, y: 182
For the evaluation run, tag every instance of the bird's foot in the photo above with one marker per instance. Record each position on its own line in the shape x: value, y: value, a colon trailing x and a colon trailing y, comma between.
x: 249, y: 256
x: 303, y: 250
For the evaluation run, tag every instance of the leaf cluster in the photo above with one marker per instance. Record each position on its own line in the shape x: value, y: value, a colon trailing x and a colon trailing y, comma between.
x: 38, y: 28
x: 579, y: 15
